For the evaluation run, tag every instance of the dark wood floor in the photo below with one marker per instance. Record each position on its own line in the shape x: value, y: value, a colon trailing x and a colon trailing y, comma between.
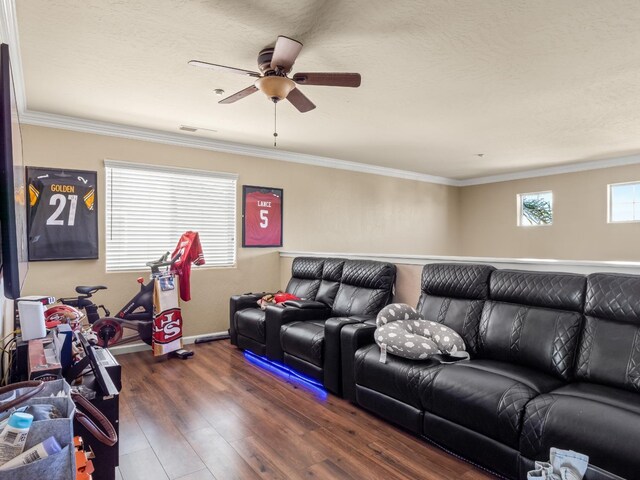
x: 216, y: 416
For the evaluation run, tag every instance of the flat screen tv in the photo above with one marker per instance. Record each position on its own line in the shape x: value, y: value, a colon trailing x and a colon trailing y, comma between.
x: 13, y: 224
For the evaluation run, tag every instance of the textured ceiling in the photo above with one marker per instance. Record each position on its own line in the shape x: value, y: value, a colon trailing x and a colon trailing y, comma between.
x: 529, y: 84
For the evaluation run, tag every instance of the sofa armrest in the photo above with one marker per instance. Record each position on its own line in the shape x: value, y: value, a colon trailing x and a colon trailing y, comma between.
x: 310, y: 304
x: 352, y: 338
x: 277, y: 316
x: 246, y: 300
x: 333, y: 351
x: 240, y: 302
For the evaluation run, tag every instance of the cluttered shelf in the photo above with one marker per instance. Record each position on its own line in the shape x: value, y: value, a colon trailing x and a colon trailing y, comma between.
x: 59, y: 414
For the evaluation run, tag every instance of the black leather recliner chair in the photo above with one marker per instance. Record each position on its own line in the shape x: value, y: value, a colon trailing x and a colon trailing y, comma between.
x: 247, y: 321
x: 310, y: 338
x: 527, y: 342
x: 296, y: 310
x: 598, y: 414
x: 451, y: 294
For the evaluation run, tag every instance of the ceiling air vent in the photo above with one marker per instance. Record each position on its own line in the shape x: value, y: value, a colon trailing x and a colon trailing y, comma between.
x: 187, y: 128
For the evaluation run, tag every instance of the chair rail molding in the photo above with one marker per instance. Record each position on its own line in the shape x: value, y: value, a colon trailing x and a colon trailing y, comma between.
x: 537, y: 264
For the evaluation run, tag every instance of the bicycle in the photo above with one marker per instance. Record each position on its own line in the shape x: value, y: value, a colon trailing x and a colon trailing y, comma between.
x: 137, y: 314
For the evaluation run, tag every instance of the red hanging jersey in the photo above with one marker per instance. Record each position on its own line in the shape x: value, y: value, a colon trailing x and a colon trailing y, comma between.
x: 189, y: 251
x: 263, y: 220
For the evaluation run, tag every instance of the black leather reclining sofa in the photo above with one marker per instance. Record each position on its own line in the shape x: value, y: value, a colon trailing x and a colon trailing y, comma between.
x: 305, y: 334
x: 312, y: 279
x: 555, y: 363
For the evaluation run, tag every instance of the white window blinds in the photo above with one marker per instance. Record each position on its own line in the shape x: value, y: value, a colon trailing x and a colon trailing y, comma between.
x: 149, y: 207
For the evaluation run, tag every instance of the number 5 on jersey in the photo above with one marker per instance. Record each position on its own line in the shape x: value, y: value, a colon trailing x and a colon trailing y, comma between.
x: 264, y: 219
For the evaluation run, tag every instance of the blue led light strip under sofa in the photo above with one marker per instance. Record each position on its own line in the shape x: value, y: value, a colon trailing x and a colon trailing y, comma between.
x: 285, y: 372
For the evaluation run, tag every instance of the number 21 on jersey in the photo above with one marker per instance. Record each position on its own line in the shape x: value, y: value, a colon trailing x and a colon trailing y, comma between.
x: 60, y: 202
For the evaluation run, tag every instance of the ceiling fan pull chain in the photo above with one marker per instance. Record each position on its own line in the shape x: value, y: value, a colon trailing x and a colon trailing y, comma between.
x: 275, y: 123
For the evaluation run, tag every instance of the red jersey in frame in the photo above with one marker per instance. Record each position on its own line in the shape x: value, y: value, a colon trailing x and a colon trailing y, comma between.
x: 262, y: 225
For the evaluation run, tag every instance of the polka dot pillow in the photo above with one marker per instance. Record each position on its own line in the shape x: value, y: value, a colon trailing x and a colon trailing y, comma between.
x: 401, y: 331
x: 395, y: 312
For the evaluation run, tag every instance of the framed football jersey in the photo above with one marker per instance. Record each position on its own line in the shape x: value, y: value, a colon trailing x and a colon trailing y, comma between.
x: 261, y: 216
x: 62, y: 214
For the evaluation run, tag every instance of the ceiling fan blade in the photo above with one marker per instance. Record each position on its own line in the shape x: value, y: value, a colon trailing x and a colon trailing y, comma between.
x: 300, y: 101
x: 285, y: 53
x: 223, y: 68
x: 239, y: 95
x: 328, y: 78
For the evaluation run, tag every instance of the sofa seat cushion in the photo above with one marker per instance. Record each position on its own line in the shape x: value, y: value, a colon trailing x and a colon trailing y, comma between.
x: 600, y: 421
x: 486, y: 396
x: 304, y: 340
x: 612, y: 396
x: 250, y: 323
x: 398, y: 378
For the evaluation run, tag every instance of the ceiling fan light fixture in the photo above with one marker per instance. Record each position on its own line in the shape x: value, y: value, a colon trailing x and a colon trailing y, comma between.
x: 274, y: 87
x: 275, y: 64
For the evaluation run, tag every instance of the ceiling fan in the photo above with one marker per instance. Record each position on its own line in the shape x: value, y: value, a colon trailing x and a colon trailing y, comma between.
x: 275, y: 64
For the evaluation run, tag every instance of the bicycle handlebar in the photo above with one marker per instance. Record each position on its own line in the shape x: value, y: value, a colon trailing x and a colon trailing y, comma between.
x: 162, y: 259
x: 162, y: 262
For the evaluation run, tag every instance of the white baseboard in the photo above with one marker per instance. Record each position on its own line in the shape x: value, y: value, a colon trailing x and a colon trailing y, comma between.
x: 140, y: 347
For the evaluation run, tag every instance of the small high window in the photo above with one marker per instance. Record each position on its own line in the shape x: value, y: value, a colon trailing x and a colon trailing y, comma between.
x: 624, y: 202
x: 535, y: 209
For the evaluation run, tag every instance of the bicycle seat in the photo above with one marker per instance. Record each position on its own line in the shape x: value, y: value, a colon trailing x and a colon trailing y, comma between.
x: 86, y: 290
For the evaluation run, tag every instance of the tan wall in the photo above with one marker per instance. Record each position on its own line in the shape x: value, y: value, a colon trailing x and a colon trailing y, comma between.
x: 324, y: 210
x: 488, y: 227
x: 579, y: 232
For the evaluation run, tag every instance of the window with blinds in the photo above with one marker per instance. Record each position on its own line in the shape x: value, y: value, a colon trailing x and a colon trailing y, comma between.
x: 149, y: 207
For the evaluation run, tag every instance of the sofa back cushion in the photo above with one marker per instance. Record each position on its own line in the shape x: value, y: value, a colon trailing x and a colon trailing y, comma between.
x: 610, y: 344
x: 533, y: 319
x: 454, y: 294
x: 331, y: 275
x: 306, y: 275
x: 365, y: 287
x: 562, y: 291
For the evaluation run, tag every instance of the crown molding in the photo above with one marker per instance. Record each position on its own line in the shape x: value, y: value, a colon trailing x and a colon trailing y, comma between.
x: 183, y: 140
x: 559, y: 170
x: 9, y: 35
